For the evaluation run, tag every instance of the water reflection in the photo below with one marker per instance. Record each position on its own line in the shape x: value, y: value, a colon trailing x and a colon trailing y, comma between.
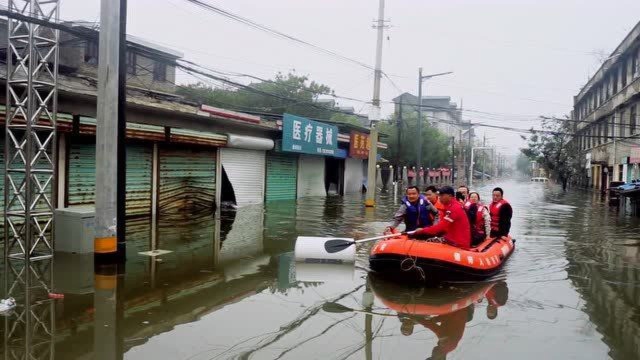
x: 443, y: 311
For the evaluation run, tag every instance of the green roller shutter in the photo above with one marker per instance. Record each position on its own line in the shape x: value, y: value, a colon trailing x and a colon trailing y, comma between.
x: 82, y: 177
x: 282, y: 171
x: 139, y: 171
x: 187, y: 179
x: 82, y: 174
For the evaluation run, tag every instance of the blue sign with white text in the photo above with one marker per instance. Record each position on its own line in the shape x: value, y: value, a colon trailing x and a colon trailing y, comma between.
x: 303, y: 135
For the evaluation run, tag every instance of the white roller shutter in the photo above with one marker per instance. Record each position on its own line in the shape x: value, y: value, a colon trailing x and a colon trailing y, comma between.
x: 311, y: 176
x: 353, y: 177
x: 245, y: 169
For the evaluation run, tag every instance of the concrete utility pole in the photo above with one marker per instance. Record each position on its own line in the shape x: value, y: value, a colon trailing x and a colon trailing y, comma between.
x: 420, y: 79
x: 472, y: 163
x: 453, y: 159
x: 374, y: 115
x: 110, y: 131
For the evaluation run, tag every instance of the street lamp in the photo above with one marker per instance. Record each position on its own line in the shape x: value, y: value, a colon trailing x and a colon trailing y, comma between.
x: 420, y: 78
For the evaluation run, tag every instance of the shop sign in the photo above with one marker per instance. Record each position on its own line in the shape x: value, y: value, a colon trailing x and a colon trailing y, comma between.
x: 359, y: 145
x: 303, y: 135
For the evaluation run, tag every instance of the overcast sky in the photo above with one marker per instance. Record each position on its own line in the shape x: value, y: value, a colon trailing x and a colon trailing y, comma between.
x: 515, y: 59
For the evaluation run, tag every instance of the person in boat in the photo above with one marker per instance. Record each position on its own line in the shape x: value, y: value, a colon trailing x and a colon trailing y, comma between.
x: 431, y: 193
x: 454, y: 227
x: 479, y: 219
x: 501, y: 213
x: 464, y: 190
x: 415, y: 212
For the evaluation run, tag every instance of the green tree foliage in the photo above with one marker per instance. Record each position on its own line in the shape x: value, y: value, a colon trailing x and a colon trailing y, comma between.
x: 523, y: 164
x: 436, y: 147
x: 554, y: 150
x: 290, y: 93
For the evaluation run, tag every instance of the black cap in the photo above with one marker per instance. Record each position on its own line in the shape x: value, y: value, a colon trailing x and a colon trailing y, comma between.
x: 447, y: 190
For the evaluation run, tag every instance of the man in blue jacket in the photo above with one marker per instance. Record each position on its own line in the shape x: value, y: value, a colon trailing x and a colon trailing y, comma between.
x: 415, y: 211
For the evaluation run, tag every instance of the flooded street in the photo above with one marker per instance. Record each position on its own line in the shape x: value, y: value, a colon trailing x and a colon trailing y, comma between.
x: 228, y: 288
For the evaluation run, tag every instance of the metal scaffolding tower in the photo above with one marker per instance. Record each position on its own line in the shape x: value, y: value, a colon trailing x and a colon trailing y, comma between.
x: 30, y: 179
x: 30, y: 131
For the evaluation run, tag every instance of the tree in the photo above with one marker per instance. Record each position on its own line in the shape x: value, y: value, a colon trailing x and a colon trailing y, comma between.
x: 523, y: 164
x: 436, y: 146
x: 291, y: 93
x: 553, y: 149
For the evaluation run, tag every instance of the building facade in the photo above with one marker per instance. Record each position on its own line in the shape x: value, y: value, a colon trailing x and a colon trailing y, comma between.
x: 439, y: 111
x: 605, y: 117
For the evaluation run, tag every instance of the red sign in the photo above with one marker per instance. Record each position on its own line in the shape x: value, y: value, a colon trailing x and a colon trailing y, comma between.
x: 359, y: 145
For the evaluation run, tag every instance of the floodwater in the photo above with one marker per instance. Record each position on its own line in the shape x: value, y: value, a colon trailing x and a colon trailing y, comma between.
x: 228, y: 288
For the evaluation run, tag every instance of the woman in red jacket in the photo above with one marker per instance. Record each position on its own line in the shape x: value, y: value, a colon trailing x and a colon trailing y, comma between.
x: 454, y: 227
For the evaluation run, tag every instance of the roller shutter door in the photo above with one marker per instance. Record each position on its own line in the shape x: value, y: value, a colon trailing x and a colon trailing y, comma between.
x: 82, y: 177
x: 246, y: 172
x: 353, y: 176
x: 311, y: 176
x: 187, y: 179
x: 282, y: 174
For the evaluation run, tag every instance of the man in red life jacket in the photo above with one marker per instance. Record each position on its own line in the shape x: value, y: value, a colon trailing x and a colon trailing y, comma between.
x: 431, y: 193
x: 501, y: 213
x: 454, y: 227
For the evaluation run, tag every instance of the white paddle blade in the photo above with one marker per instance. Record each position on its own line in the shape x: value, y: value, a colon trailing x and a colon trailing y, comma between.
x: 311, y: 249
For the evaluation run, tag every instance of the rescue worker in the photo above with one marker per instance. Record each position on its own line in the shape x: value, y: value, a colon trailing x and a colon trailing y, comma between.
x: 415, y: 211
x: 479, y: 218
x: 454, y: 227
x: 431, y: 193
x: 501, y: 213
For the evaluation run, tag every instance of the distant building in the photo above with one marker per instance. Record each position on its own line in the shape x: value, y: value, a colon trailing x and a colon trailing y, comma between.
x: 439, y: 111
x: 605, y: 115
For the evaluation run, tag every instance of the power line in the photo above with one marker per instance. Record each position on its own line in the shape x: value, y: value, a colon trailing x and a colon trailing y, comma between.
x: 274, y: 32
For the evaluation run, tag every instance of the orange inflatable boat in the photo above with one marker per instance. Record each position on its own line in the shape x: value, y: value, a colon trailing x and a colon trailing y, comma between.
x: 423, y: 260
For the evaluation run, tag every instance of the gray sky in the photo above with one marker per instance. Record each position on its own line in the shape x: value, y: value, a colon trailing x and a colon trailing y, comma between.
x: 515, y: 59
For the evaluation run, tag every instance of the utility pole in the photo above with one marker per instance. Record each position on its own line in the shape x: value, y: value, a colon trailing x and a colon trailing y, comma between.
x: 470, y: 160
x: 399, y: 146
x: 110, y: 131
x: 374, y: 116
x: 419, y: 132
x: 453, y: 159
x: 420, y: 79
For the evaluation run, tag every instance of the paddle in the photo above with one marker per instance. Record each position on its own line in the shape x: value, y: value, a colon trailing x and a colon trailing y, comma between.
x: 335, y: 245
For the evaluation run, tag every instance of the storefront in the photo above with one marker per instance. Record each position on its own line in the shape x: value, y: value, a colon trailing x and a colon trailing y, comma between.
x: 315, y: 141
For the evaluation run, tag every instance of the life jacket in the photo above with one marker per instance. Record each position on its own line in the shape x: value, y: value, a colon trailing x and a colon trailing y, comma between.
x: 480, y: 220
x: 417, y: 215
x: 494, y: 211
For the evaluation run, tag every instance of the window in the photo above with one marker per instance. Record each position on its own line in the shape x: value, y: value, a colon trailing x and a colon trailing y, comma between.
x: 622, y: 124
x: 623, y: 74
x: 605, y: 131
x: 131, y: 63
x: 614, y: 82
x: 91, y: 52
x: 634, y: 63
x: 613, y: 127
x: 159, y: 71
x: 632, y: 120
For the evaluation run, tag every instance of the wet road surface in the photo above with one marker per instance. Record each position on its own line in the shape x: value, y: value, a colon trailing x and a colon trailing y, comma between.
x: 228, y: 288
